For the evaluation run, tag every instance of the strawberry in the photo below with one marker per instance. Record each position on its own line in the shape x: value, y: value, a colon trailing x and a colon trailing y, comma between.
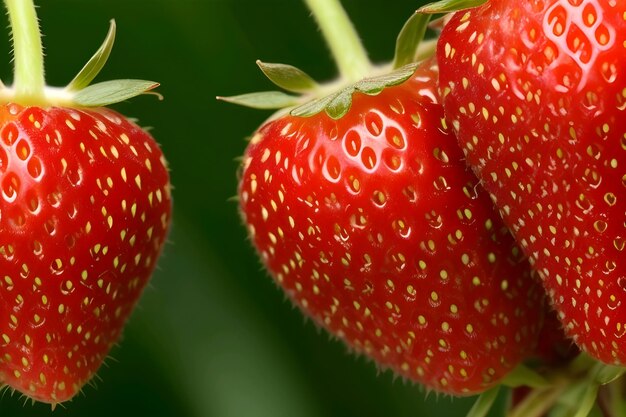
x: 85, y: 208
x: 374, y: 228
x: 536, y: 92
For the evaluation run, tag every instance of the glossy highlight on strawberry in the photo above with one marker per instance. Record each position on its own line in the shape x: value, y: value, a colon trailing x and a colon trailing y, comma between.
x: 85, y: 208
x: 373, y: 227
x: 536, y: 92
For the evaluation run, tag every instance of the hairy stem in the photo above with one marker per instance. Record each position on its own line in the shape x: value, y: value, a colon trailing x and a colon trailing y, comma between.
x: 29, y: 81
x: 344, y: 42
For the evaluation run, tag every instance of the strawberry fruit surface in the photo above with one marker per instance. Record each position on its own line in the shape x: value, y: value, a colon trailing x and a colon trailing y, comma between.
x: 85, y: 209
x: 373, y: 227
x: 536, y: 92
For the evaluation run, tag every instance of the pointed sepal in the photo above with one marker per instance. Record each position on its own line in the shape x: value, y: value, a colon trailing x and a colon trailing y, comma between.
x: 288, y: 77
x: 265, y: 100
x: 605, y: 374
x: 484, y: 403
x: 409, y: 39
x: 110, y: 92
x: 338, y: 104
x: 447, y: 6
x: 93, y: 67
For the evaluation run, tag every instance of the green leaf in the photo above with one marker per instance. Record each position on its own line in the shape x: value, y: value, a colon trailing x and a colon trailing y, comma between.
x: 265, y: 100
x: 447, y: 6
x: 409, y: 39
x: 484, y: 403
x: 525, y: 376
x: 110, y: 92
x: 288, y: 77
x: 338, y: 104
x: 93, y: 67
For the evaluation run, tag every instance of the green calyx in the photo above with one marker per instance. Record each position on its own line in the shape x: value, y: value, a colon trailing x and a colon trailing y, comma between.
x: 29, y: 87
x: 448, y: 6
x: 304, y: 97
x: 336, y: 103
x: 575, y: 389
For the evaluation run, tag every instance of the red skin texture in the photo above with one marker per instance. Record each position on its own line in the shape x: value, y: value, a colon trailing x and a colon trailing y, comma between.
x: 373, y: 227
x: 84, y: 212
x: 536, y: 93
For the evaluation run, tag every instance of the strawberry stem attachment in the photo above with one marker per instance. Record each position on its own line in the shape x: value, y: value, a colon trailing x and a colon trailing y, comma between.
x: 29, y: 80
x: 29, y: 84
x: 342, y: 39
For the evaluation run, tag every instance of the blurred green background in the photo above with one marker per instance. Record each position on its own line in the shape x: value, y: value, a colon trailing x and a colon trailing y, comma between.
x: 213, y: 336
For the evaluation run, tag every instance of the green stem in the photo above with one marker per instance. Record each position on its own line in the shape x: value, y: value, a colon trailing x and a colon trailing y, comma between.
x: 537, y: 403
x: 344, y: 42
x: 29, y: 81
x: 616, y: 397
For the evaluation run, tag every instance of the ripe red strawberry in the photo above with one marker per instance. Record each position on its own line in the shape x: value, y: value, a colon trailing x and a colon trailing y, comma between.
x: 85, y: 208
x: 374, y: 228
x: 536, y: 92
